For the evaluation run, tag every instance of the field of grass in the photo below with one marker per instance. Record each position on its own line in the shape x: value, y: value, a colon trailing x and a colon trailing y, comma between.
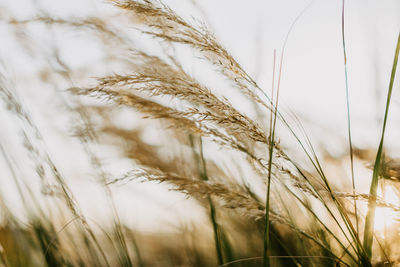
x: 84, y: 139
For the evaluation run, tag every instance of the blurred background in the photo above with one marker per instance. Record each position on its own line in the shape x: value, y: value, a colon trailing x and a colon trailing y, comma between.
x: 46, y: 49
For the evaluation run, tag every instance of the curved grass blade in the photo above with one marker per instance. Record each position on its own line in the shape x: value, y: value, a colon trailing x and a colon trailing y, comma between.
x: 369, y: 221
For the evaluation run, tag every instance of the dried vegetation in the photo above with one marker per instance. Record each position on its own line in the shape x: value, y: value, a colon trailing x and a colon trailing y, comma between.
x: 145, y: 118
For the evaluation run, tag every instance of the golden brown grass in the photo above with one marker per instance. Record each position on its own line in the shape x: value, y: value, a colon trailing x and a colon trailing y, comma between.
x: 204, y: 148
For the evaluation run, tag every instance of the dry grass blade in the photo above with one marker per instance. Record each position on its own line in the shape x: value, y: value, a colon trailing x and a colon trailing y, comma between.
x: 167, y: 25
x: 157, y: 78
x: 199, y: 189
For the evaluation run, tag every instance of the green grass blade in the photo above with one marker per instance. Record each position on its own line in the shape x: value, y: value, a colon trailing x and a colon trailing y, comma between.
x: 348, y: 117
x: 270, y: 154
x: 222, y: 245
x: 369, y: 221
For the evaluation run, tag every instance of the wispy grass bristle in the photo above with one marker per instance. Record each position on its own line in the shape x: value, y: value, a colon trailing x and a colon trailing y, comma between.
x: 90, y: 148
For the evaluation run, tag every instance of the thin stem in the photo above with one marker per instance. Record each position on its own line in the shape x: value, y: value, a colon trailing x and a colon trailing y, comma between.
x: 348, y: 118
x: 271, y: 148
